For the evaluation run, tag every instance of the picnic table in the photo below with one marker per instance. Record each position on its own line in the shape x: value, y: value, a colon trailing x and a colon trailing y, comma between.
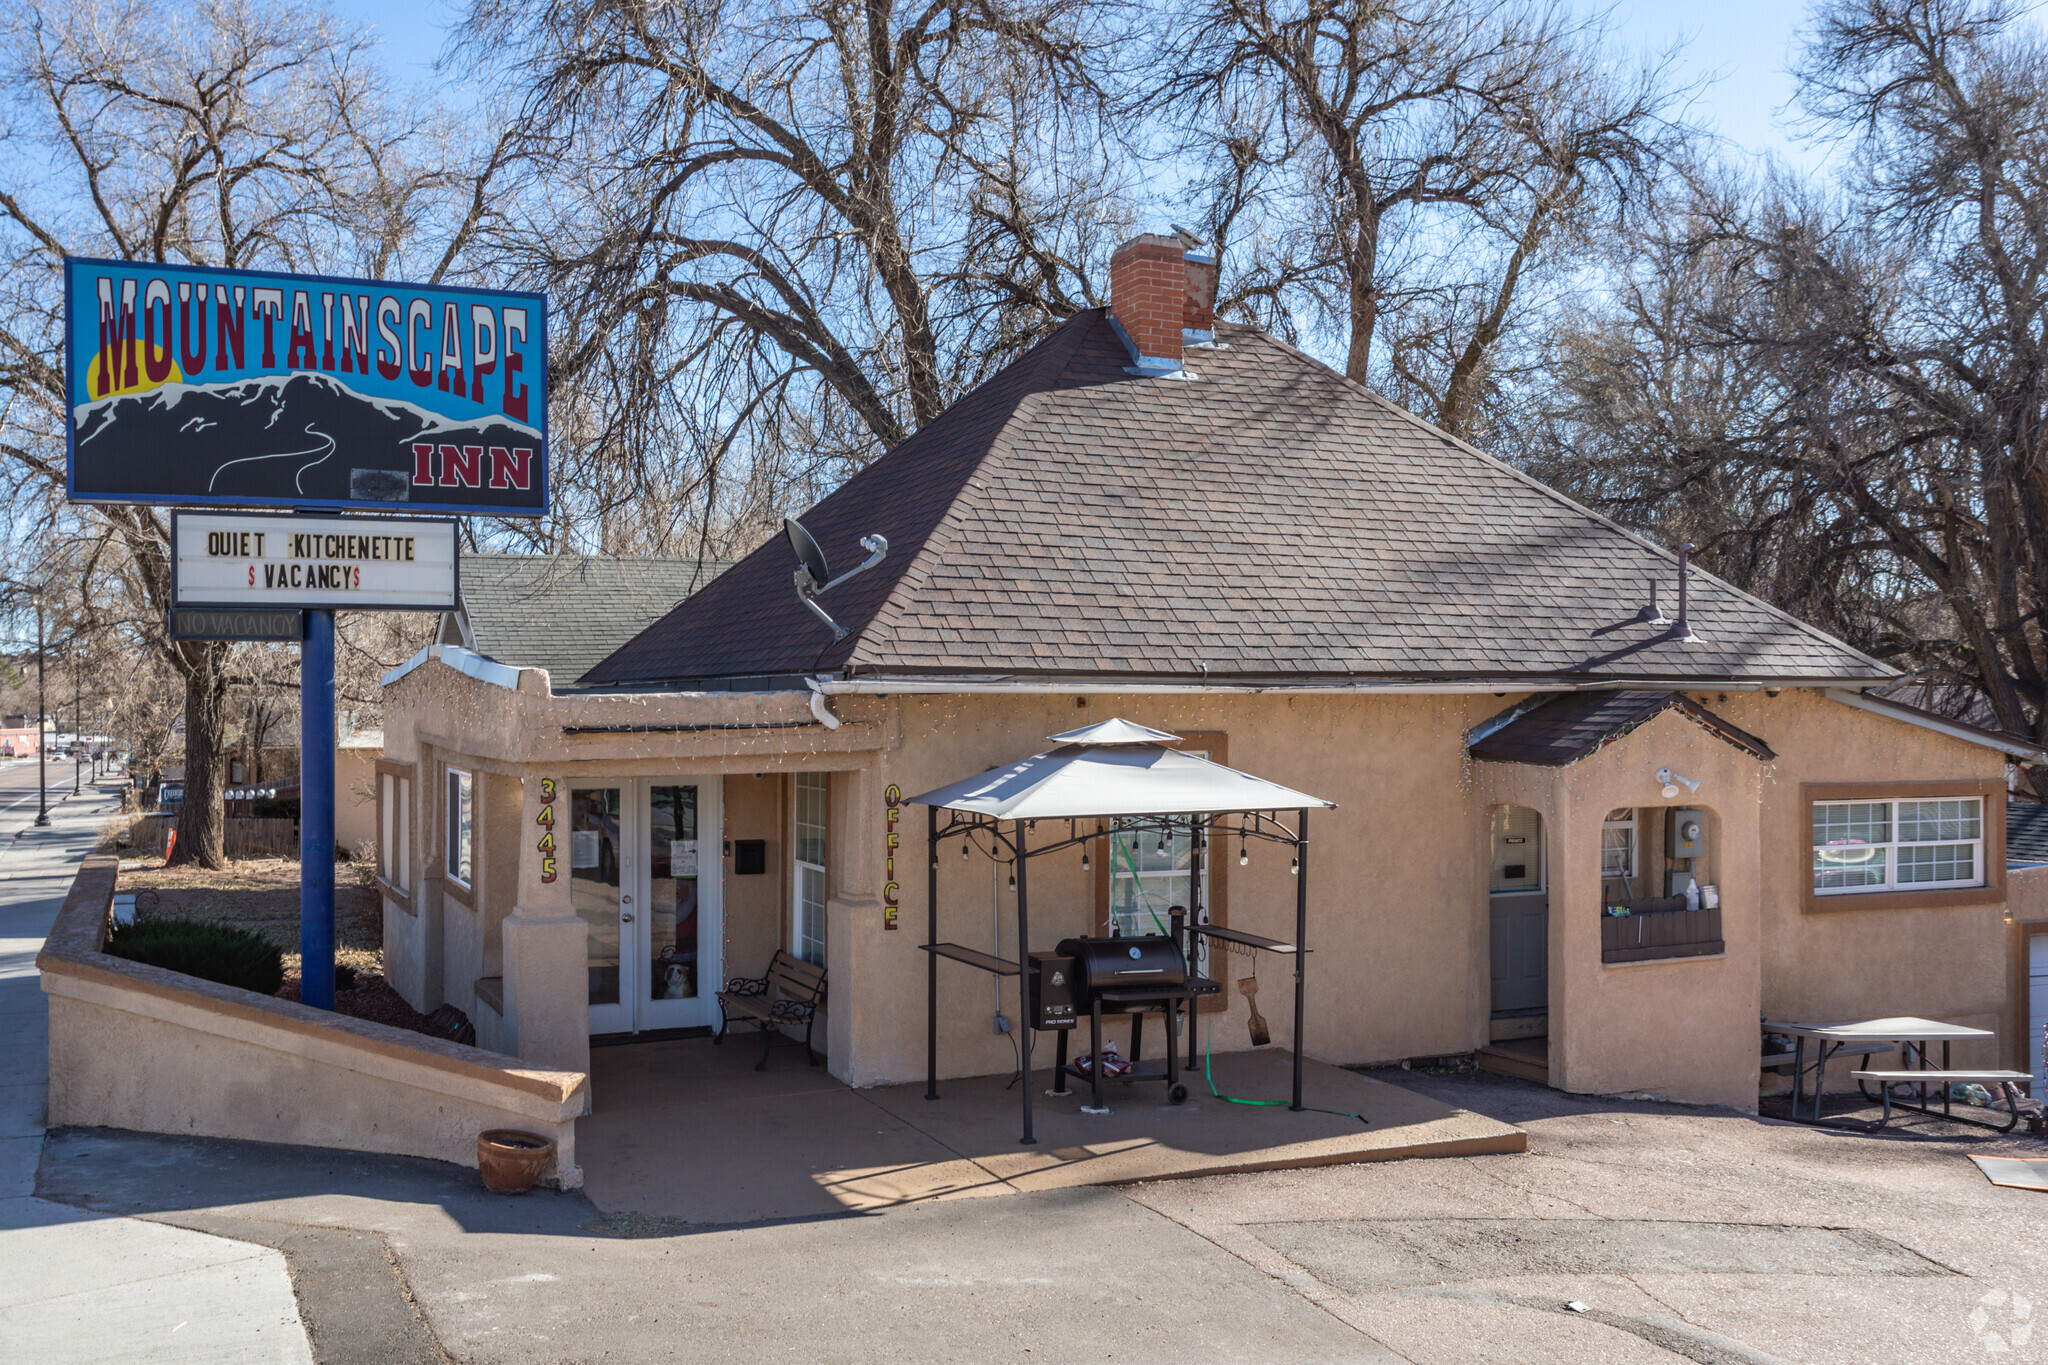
x: 1871, y: 1037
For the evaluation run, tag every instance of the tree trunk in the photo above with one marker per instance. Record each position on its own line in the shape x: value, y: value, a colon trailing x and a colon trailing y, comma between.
x: 202, y: 827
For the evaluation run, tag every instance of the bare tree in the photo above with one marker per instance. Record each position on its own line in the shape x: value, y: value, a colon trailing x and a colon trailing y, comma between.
x: 250, y: 133
x: 1406, y: 170
x: 781, y: 235
x: 1846, y: 391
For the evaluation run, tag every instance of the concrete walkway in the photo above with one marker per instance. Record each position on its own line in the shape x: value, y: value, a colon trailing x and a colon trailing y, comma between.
x: 79, y: 1286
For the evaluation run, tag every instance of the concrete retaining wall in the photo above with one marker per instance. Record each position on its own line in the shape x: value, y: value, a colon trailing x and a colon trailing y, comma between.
x: 142, y: 1048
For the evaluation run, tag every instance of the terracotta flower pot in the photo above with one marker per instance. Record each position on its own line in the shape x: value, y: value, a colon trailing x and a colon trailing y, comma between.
x: 510, y: 1161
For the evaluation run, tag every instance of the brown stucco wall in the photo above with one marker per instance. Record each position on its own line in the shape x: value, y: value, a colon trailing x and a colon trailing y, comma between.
x: 151, y: 1050
x: 1684, y: 1028
x: 1932, y: 962
x: 1398, y: 872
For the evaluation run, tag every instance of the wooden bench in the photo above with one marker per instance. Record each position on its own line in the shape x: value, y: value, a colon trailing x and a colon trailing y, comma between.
x: 2005, y: 1082
x: 790, y: 992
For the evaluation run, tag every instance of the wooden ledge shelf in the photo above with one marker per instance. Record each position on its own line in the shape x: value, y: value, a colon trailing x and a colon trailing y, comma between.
x: 988, y: 962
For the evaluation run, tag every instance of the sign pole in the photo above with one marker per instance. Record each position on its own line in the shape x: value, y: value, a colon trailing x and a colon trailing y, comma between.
x: 316, y: 811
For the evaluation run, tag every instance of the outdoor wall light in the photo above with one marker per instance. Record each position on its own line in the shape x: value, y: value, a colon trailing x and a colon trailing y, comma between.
x: 1673, y: 781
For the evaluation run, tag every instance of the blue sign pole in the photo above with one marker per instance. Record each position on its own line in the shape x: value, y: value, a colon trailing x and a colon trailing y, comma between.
x: 316, y: 812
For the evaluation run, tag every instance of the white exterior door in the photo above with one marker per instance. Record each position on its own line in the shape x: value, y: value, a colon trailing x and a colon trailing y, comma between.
x: 645, y: 865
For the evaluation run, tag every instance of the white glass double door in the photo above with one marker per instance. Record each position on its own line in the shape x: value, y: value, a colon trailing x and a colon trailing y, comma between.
x: 645, y: 856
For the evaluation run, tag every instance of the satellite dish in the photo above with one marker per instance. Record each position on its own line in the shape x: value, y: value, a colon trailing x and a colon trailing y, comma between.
x: 813, y: 577
x: 809, y: 558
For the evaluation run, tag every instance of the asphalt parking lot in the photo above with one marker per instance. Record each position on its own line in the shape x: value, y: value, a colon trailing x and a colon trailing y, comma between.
x: 1679, y: 1233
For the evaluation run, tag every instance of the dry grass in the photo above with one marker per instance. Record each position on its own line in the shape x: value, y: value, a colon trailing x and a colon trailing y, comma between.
x: 262, y: 895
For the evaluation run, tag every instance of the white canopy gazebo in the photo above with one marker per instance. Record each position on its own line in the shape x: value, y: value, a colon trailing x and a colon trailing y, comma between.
x: 1123, y: 777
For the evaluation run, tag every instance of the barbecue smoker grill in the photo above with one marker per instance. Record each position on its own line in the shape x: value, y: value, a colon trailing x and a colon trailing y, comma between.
x: 1107, y: 964
x: 1135, y: 975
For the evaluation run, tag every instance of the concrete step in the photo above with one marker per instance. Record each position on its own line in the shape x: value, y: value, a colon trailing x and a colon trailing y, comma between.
x: 1526, y: 1059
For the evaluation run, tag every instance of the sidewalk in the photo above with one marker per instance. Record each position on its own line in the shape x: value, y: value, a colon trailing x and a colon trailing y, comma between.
x: 78, y: 1286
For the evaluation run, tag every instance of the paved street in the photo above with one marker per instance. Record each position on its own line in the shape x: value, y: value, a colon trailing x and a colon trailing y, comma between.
x: 1685, y: 1234
x: 80, y: 1285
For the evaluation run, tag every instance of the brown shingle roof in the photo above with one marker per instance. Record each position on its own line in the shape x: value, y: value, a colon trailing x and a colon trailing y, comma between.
x: 1567, y: 727
x: 1267, y: 520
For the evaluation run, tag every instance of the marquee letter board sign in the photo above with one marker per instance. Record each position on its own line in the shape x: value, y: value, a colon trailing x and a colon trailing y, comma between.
x: 258, y: 559
x: 240, y: 388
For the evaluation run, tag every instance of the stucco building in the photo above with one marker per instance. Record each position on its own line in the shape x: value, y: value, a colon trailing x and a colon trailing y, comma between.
x: 1202, y: 530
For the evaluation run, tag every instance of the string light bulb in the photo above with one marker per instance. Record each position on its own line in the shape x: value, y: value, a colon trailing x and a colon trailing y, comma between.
x: 965, y: 844
x: 1084, y: 859
x: 1294, y: 866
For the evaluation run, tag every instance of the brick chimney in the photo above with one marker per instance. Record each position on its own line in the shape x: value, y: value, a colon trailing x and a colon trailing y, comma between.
x: 1149, y: 298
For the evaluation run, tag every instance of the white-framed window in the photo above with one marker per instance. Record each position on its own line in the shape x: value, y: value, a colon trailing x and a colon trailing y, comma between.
x: 1149, y: 874
x: 394, y: 830
x: 807, y: 903
x: 1861, y: 846
x: 459, y: 826
x: 1618, y: 843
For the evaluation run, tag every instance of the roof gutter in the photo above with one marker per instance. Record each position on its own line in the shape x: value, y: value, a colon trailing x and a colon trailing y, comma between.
x: 818, y: 707
x: 1913, y: 715
x: 840, y: 687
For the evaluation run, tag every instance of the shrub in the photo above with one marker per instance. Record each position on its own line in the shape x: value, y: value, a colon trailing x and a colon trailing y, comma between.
x: 211, y: 952
x: 275, y: 807
x: 344, y: 977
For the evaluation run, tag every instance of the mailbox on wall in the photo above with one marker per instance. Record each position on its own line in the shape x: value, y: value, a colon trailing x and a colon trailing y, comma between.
x: 1685, y: 832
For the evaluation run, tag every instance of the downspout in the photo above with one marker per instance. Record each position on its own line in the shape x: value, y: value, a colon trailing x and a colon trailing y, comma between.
x: 818, y: 707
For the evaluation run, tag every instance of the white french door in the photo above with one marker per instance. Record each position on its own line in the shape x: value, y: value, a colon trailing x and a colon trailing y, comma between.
x: 645, y: 876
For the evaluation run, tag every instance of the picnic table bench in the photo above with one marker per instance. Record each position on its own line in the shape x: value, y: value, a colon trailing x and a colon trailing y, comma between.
x: 1910, y: 1037
x: 2003, y: 1082
x: 790, y: 992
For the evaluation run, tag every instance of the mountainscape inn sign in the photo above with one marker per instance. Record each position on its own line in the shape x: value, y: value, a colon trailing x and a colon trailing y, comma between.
x: 278, y: 560
x: 242, y: 388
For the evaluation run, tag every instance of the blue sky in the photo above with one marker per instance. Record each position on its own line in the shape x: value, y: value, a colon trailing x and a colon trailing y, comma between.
x: 1743, y: 45
x: 1742, y: 49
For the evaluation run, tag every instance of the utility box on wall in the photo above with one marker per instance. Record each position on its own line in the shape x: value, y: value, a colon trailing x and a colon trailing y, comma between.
x: 1685, y: 832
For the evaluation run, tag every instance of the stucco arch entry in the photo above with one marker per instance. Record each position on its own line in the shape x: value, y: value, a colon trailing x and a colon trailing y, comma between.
x: 1682, y: 1028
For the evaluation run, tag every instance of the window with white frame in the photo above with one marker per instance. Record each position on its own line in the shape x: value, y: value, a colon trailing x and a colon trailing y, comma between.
x: 1925, y: 845
x: 459, y: 825
x: 1618, y: 843
x: 394, y: 830
x: 1150, y: 872
x: 807, y: 932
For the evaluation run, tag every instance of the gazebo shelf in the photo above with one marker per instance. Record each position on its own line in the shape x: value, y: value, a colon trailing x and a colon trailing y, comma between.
x: 1271, y: 945
x: 988, y: 962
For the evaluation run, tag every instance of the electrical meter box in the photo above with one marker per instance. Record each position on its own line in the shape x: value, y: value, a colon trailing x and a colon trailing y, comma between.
x: 1685, y: 832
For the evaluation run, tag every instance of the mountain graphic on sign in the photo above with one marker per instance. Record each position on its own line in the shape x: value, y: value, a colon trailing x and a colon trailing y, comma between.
x: 278, y: 437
